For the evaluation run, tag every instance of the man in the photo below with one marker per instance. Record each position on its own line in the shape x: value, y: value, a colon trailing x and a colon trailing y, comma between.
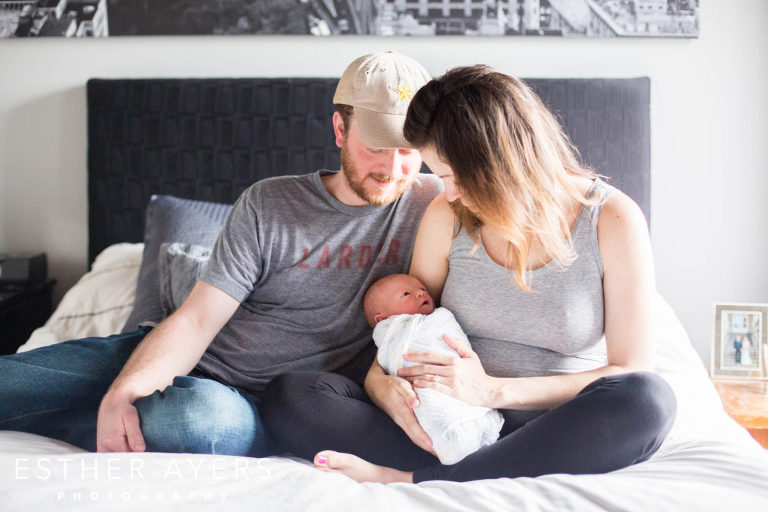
x: 737, y: 346
x: 282, y: 292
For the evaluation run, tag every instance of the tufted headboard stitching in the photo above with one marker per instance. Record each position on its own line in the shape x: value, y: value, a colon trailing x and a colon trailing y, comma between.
x: 210, y: 138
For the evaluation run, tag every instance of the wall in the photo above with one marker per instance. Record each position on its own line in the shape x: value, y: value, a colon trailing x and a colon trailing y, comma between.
x: 709, y: 131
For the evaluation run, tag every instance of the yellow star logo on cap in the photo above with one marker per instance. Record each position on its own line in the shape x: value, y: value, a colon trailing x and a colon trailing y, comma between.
x: 404, y: 92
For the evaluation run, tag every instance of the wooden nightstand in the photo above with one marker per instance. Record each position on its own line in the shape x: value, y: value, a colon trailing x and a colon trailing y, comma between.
x: 23, y: 309
x: 746, y: 402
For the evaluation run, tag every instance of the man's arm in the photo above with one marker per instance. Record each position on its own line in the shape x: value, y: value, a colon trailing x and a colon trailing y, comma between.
x: 172, y: 348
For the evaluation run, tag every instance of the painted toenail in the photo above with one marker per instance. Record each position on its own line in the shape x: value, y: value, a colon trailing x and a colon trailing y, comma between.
x: 322, y: 459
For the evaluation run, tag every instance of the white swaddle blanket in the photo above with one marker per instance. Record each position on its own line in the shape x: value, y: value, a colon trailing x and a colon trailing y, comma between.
x: 456, y: 428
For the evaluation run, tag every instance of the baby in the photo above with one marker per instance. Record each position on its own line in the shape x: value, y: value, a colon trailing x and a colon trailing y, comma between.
x: 405, y: 320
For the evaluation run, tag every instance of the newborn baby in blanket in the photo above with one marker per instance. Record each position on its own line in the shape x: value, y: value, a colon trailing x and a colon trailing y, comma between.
x: 405, y: 320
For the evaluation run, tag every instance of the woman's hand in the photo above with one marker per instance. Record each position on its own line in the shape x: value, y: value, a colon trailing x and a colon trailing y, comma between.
x: 460, y: 377
x: 397, y: 398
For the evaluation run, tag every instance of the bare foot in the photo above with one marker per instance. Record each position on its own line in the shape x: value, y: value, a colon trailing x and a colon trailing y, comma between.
x: 358, y: 469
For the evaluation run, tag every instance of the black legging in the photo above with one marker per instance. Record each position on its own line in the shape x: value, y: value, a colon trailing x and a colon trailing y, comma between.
x: 614, y: 422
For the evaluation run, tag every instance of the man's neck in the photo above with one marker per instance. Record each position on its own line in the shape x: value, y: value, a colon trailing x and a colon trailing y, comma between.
x: 336, y: 185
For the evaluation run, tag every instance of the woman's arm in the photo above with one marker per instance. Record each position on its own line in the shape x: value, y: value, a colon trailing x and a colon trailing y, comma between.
x: 629, y: 289
x: 429, y: 263
x: 629, y: 284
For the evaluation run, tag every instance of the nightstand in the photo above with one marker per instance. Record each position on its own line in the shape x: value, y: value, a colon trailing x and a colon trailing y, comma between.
x: 23, y: 308
x: 746, y: 401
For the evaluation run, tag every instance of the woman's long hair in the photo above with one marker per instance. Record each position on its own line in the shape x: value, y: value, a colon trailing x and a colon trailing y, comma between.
x: 510, y: 158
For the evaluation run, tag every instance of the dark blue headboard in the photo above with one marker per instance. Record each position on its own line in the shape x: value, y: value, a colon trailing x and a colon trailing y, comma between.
x: 210, y: 138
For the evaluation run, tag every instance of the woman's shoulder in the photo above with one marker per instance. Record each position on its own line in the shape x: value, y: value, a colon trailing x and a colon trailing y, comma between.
x: 620, y: 211
x: 440, y: 214
x: 621, y: 227
x: 441, y: 207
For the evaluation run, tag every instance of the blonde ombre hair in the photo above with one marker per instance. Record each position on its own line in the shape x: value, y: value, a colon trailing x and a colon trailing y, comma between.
x: 510, y: 159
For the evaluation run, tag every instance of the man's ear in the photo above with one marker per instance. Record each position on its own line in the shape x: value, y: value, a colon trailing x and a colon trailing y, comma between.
x: 381, y: 316
x: 338, y: 129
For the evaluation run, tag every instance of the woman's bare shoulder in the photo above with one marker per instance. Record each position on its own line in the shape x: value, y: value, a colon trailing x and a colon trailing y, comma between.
x: 440, y: 213
x: 621, y: 226
x: 619, y: 211
x: 441, y: 206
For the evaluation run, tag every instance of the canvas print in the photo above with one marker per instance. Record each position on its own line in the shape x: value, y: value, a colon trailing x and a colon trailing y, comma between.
x: 565, y: 18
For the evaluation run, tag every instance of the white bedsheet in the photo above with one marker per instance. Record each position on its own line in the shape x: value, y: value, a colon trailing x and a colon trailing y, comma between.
x: 708, y: 463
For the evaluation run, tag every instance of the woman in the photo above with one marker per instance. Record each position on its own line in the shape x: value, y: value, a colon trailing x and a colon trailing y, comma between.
x: 746, y: 347
x: 550, y: 273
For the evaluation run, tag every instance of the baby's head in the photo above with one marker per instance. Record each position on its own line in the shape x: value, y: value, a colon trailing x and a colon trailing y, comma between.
x: 396, y: 294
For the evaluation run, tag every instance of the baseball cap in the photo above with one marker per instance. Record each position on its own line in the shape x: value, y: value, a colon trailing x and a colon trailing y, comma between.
x: 380, y: 87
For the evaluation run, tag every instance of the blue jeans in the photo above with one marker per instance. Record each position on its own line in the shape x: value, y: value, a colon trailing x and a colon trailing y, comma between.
x: 55, y: 391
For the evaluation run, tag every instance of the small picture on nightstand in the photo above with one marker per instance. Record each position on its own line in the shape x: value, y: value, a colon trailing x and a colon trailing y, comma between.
x: 739, y: 349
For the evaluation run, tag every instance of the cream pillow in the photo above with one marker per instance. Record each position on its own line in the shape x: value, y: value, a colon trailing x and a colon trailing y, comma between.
x: 98, y: 304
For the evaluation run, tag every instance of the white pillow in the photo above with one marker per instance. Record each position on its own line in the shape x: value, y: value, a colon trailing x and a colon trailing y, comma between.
x: 179, y: 267
x: 99, y: 304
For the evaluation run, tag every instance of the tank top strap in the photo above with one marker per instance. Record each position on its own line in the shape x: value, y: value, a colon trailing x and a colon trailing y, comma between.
x: 585, y: 231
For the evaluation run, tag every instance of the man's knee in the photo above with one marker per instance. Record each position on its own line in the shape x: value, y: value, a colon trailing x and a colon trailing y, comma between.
x: 199, y: 416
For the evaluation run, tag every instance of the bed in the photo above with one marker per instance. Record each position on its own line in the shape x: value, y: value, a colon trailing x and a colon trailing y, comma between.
x: 205, y: 140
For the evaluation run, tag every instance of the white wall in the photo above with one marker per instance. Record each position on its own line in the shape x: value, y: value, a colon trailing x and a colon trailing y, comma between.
x: 709, y: 132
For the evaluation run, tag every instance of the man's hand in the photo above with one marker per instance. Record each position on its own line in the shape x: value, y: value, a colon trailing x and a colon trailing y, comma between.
x: 172, y: 348
x: 117, y: 429
x: 396, y: 397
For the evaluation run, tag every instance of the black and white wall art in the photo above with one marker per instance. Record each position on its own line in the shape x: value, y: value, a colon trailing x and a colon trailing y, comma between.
x: 565, y: 18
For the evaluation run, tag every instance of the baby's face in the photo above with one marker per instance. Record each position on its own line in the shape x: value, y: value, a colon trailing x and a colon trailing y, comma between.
x: 405, y: 295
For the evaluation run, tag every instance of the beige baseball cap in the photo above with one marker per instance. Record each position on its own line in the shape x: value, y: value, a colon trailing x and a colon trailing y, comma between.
x: 380, y: 87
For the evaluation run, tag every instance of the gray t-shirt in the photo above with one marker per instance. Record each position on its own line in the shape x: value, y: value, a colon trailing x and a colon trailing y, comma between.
x: 300, y: 262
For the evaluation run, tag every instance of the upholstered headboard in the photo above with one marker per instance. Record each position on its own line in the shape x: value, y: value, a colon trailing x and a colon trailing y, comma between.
x: 210, y: 138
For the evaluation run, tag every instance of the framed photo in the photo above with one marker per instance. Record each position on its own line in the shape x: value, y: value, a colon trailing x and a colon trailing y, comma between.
x: 740, y: 344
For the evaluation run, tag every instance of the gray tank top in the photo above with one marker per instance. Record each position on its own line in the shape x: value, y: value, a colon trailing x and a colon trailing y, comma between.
x: 557, y: 329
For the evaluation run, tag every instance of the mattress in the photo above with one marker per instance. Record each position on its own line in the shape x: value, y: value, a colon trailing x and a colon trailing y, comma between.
x: 707, y: 462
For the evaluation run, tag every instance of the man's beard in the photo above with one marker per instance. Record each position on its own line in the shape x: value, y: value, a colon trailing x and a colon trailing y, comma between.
x: 350, y: 173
